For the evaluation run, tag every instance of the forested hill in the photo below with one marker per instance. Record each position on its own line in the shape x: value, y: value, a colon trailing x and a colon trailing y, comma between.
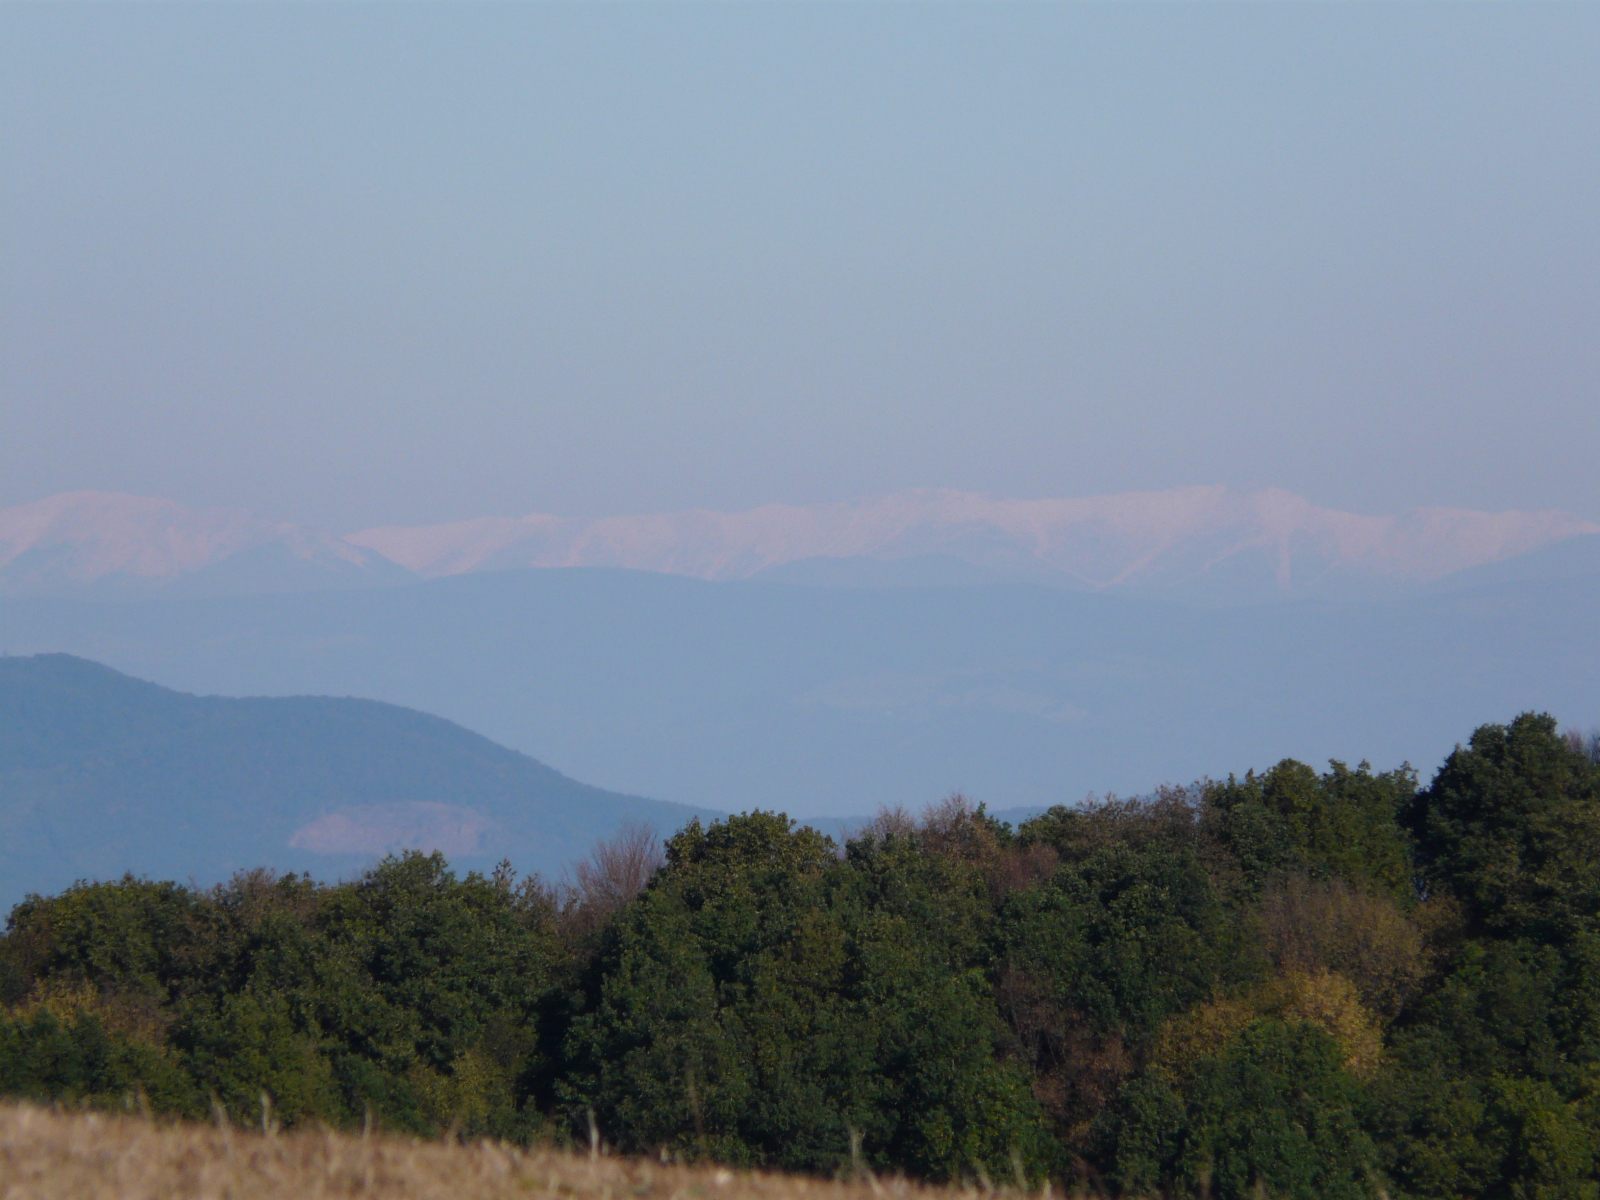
x: 1335, y: 986
x: 101, y: 773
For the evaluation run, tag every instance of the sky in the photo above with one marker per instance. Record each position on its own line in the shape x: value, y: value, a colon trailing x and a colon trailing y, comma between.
x: 364, y: 264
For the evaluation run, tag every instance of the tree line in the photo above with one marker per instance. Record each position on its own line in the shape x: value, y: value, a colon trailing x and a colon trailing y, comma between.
x: 1310, y: 985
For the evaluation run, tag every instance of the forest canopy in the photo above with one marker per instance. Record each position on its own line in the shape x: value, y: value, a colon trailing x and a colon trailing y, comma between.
x: 1335, y: 984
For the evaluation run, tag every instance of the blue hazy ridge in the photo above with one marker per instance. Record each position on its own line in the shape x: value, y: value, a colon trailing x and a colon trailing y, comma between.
x: 101, y: 773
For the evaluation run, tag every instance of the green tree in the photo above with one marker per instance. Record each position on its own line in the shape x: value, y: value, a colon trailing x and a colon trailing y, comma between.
x: 1342, y: 824
x: 766, y: 1002
x: 1511, y: 827
x: 1273, y: 1112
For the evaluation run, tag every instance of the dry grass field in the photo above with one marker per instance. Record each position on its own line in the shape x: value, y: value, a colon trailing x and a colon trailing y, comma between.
x: 46, y: 1155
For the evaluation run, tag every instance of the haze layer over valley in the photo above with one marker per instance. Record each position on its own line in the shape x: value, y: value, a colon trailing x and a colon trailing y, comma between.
x: 834, y: 701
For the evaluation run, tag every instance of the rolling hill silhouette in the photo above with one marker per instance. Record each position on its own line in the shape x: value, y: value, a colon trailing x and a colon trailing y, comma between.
x: 101, y: 773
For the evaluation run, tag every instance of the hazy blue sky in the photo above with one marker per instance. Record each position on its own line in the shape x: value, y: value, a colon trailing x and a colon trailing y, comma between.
x: 374, y: 263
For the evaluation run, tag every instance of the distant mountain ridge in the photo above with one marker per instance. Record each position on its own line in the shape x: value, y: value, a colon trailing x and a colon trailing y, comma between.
x: 1206, y: 544
x: 101, y: 773
x: 115, y: 544
x: 1234, y: 545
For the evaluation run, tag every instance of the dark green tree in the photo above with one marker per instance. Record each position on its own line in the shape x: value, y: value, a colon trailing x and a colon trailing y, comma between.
x: 1274, y: 1112
x: 1511, y: 828
x: 767, y: 1002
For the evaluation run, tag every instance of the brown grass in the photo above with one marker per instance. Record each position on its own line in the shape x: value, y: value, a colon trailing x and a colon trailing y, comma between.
x: 48, y: 1155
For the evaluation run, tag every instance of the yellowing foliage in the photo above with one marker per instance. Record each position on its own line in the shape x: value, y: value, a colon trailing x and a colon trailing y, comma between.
x: 1326, y: 924
x: 70, y: 1000
x: 1322, y: 998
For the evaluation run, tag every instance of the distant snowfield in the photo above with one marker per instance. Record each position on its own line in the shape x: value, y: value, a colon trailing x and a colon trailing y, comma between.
x: 1205, y: 543
x: 1154, y: 539
x: 110, y: 542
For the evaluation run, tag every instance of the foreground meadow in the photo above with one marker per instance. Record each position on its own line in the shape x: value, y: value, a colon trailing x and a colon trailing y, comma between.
x: 53, y: 1155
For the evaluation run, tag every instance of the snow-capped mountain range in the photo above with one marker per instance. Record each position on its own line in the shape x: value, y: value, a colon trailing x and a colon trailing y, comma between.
x: 1204, y: 543
x: 107, y: 543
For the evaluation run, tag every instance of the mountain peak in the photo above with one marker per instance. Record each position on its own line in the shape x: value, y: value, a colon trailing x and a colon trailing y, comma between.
x: 114, y: 543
